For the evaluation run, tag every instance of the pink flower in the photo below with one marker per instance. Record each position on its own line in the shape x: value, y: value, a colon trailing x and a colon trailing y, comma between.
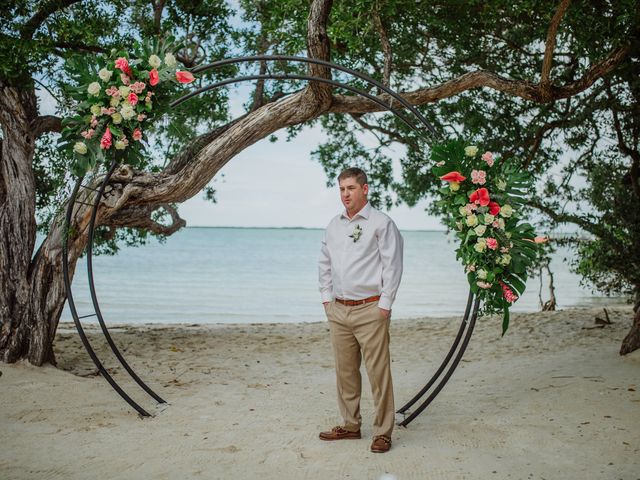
x: 137, y: 134
x: 141, y: 117
x: 184, y: 77
x: 470, y: 207
x: 105, y: 142
x: 504, y: 249
x: 94, y: 121
x: 453, y: 177
x: 507, y: 293
x: 471, y: 268
x: 88, y: 133
x: 537, y: 240
x: 480, y: 197
x: 108, y: 111
x: 154, y: 78
x: 138, y: 87
x: 495, y: 224
x: 123, y: 65
x: 113, y: 91
x: 482, y: 284
x: 488, y: 157
x: 478, y: 176
x: 132, y: 98
x: 492, y: 243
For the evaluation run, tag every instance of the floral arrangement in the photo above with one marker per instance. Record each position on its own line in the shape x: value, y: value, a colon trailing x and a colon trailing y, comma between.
x: 114, y: 99
x: 482, y: 200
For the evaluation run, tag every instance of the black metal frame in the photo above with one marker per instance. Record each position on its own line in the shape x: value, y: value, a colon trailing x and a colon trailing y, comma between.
x: 466, y: 324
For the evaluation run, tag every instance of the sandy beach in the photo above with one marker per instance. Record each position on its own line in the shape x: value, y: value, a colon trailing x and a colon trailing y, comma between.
x: 552, y: 399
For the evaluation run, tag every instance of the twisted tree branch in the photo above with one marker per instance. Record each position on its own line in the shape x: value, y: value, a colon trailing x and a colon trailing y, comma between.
x: 482, y: 78
x: 550, y: 44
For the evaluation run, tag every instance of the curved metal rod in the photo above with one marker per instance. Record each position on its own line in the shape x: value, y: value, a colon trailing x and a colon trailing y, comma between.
x: 291, y: 58
x: 277, y: 76
x: 443, y: 382
x: 74, y: 313
x: 444, y: 363
x: 94, y: 297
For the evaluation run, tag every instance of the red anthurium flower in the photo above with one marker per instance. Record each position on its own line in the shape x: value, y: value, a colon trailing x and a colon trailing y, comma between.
x: 480, y: 197
x: 494, y: 208
x: 453, y: 177
x: 154, y: 78
x: 184, y: 77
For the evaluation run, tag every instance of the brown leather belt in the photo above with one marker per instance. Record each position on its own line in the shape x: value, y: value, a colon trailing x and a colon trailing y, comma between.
x: 352, y: 303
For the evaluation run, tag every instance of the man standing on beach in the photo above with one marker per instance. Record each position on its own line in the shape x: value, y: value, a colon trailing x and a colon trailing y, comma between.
x: 359, y: 271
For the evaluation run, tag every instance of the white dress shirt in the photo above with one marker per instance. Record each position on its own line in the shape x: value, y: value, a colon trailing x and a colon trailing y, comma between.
x: 370, y: 266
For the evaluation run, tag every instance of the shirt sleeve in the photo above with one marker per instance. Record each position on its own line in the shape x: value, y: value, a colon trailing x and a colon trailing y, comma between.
x: 324, y: 272
x: 390, y: 246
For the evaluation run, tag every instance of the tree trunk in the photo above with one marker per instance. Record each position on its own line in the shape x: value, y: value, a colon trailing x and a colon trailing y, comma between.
x: 32, y: 294
x: 632, y: 341
x: 17, y: 223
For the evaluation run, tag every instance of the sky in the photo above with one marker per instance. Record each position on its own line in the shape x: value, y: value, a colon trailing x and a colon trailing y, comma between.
x: 280, y: 185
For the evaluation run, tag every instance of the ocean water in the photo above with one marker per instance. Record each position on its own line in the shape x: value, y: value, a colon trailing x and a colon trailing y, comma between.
x: 258, y: 275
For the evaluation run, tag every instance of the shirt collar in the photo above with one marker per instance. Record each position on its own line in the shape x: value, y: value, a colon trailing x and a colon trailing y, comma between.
x: 364, y: 212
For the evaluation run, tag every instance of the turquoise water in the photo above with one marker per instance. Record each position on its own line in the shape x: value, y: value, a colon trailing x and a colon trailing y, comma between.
x: 253, y: 275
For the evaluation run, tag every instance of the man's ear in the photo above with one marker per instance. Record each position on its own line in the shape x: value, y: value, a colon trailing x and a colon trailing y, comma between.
x: 365, y: 188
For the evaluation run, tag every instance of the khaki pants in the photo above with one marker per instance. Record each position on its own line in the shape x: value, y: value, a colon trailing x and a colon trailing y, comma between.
x: 356, y: 332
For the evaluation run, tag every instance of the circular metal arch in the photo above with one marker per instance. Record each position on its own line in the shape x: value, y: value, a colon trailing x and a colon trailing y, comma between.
x: 95, y: 195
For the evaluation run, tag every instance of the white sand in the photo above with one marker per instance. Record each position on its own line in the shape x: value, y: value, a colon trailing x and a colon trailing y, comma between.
x: 549, y: 400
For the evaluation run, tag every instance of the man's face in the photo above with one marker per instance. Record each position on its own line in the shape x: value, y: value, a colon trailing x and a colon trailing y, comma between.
x: 353, y: 195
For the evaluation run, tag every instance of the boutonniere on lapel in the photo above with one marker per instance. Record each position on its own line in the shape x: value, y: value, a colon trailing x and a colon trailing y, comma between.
x: 357, y: 233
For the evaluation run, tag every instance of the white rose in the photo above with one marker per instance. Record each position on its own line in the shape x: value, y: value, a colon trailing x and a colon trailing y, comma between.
x: 117, y: 118
x: 105, y: 75
x: 124, y: 91
x: 94, y: 89
x: 506, y: 210
x: 480, y: 229
x: 463, y: 211
x: 501, y: 224
x: 505, y: 259
x: 95, y: 109
x: 481, y: 245
x: 472, y: 220
x: 170, y: 60
x: 154, y: 61
x: 80, y: 148
x: 127, y: 111
x: 114, y: 102
x: 482, y: 274
x: 120, y: 145
x: 471, y: 151
x: 454, y: 186
x: 488, y: 218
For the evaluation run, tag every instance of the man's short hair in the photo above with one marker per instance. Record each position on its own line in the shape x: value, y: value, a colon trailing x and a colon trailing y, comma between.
x: 353, y: 172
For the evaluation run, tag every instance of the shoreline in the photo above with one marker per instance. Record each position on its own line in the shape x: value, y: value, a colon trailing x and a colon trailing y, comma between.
x: 550, y: 399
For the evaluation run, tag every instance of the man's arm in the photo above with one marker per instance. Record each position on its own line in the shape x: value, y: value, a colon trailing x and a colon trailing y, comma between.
x: 390, y: 245
x: 324, y: 272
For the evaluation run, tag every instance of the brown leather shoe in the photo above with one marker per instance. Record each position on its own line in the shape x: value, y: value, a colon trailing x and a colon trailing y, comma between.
x: 339, y: 433
x: 381, y: 444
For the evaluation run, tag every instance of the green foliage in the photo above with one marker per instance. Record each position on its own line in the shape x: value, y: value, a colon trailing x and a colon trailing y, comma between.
x: 482, y: 203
